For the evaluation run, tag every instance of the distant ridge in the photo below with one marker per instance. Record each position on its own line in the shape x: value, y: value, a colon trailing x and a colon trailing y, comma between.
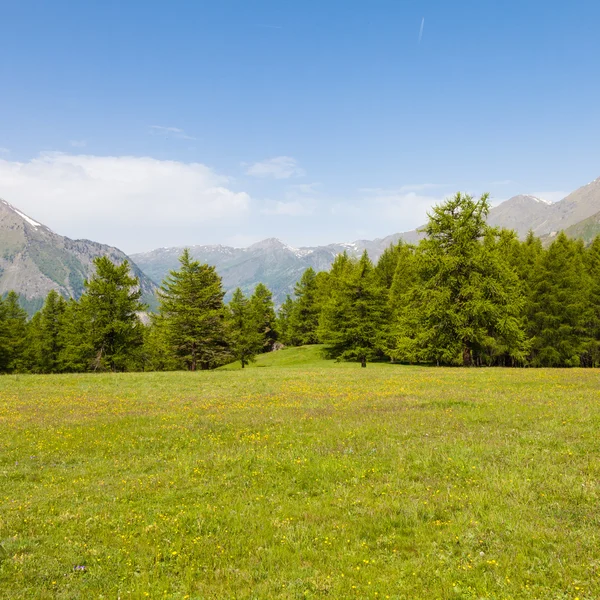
x: 35, y: 260
x: 279, y: 266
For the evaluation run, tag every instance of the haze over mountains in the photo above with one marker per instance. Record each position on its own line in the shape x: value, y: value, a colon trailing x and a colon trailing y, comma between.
x: 34, y: 259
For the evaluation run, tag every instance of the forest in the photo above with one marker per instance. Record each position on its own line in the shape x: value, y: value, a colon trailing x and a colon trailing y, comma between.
x: 467, y: 295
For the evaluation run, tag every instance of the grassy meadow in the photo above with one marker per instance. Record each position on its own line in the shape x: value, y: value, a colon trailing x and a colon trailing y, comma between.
x: 301, y: 478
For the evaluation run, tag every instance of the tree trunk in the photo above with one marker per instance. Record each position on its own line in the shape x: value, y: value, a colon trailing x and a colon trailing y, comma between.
x: 363, y: 362
x: 467, y: 360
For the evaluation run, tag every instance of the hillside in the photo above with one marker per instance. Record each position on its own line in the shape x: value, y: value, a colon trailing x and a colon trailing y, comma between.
x: 35, y: 260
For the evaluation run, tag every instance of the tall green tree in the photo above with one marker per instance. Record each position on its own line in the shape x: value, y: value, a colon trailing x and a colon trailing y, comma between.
x: 283, y: 320
x: 467, y: 301
x: 46, y: 341
x: 304, y: 320
x: 191, y: 304
x: 559, y: 313
x: 592, y: 263
x: 246, y: 330
x: 261, y: 305
x: 77, y: 348
x: 352, y: 320
x: 13, y: 333
x: 111, y: 301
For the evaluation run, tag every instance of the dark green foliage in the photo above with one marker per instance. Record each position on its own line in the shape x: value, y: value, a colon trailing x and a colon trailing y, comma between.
x: 465, y: 305
x: 45, y: 340
x: 283, y: 320
x: 354, y: 316
x: 247, y: 326
x: 193, y: 313
x: 111, y: 303
x: 304, y: 319
x: 13, y: 334
x: 559, y: 311
x: 263, y: 311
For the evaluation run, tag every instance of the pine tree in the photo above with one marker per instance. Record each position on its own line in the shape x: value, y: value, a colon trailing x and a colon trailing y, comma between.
x: 191, y: 304
x: 246, y: 331
x: 560, y: 310
x: 261, y: 305
x: 467, y: 300
x: 352, y: 320
x: 304, y: 320
x: 111, y: 301
x: 13, y: 334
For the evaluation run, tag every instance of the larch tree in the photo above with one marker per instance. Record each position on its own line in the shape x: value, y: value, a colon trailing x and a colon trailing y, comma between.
x: 304, y: 320
x: 111, y: 303
x: 193, y: 313
x: 261, y: 305
x: 246, y: 331
x: 467, y: 297
x: 352, y: 319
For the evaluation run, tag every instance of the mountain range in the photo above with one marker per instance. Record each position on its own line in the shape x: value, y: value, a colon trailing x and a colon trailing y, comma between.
x: 34, y: 259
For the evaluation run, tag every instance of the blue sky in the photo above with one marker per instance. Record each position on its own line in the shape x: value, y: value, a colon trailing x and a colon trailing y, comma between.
x: 146, y: 124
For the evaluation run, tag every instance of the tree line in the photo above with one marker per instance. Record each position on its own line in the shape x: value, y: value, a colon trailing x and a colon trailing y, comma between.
x: 466, y: 294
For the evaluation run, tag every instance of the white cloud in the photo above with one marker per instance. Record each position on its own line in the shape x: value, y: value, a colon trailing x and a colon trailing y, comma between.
x: 78, y: 143
x: 294, y: 208
x: 280, y: 167
x: 174, y: 132
x: 122, y: 200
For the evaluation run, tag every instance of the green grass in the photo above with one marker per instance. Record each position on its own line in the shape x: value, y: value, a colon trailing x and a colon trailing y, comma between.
x: 301, y: 482
x: 303, y: 356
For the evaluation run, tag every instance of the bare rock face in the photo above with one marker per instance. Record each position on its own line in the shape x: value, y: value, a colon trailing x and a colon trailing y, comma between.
x: 35, y: 260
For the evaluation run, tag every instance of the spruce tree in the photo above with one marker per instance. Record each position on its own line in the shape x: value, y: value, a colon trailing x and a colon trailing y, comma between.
x: 191, y: 304
x: 111, y: 302
x: 247, y: 334
x: 261, y: 306
x: 352, y: 320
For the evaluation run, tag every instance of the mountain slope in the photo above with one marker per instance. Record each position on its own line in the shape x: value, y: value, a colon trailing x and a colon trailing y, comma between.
x: 35, y: 260
x: 521, y: 213
x: 270, y: 261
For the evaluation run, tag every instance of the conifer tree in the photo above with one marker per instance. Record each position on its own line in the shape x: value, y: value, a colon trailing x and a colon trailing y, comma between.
x: 560, y: 310
x: 46, y: 342
x: 111, y: 302
x: 261, y: 306
x: 592, y: 263
x: 283, y: 319
x: 352, y: 320
x: 13, y: 333
x: 191, y: 304
x: 304, y: 320
x: 77, y: 352
x: 247, y: 334
x: 467, y: 300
